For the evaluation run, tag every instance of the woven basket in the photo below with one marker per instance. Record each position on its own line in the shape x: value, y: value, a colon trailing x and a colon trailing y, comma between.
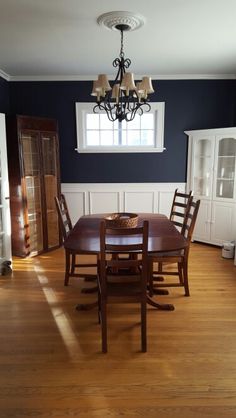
x: 122, y: 220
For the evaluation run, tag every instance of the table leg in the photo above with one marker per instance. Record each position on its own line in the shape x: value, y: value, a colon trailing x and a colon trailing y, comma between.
x: 86, y: 306
x: 160, y: 306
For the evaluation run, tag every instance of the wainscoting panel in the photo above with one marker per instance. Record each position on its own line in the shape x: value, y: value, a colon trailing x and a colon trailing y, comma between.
x: 76, y: 201
x: 90, y: 198
x: 144, y: 201
x: 104, y: 201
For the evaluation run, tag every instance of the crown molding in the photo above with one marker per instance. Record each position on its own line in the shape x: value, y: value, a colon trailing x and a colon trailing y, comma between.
x: 4, y: 75
x: 110, y: 77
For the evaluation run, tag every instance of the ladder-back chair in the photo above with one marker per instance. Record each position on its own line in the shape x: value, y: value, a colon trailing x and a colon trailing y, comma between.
x: 123, y: 277
x: 70, y: 253
x: 179, y: 207
x: 179, y: 257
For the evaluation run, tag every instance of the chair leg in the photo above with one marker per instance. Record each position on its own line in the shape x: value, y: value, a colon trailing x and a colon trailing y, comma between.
x: 181, y: 280
x: 185, y: 272
x: 73, y: 264
x: 67, y: 272
x: 103, y: 317
x: 150, y: 278
x: 144, y: 326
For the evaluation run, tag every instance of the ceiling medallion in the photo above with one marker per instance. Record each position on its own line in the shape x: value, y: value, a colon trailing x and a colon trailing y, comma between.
x: 112, y: 19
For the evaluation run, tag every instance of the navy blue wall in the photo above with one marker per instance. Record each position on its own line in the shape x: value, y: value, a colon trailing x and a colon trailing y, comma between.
x: 4, y: 96
x: 189, y: 104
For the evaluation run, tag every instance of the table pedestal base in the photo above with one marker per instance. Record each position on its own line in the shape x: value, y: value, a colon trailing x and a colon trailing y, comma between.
x: 160, y: 306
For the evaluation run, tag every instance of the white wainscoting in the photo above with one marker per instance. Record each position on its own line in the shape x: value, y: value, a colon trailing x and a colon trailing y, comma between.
x: 90, y: 198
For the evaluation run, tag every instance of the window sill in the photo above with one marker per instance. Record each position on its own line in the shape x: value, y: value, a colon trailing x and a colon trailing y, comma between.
x: 115, y: 150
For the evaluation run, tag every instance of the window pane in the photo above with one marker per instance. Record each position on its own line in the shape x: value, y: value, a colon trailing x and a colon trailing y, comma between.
x: 124, y: 138
x: 106, y: 138
x: 147, y: 137
x: 116, y: 138
x: 134, y: 124
x: 116, y: 124
x: 123, y: 124
x: 147, y: 121
x: 92, y: 121
x: 133, y: 138
x: 105, y: 123
x: 92, y: 138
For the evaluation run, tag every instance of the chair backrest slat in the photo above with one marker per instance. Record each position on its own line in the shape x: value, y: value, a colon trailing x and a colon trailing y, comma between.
x: 180, y: 201
x: 64, y: 216
x: 135, y: 241
x: 190, y: 220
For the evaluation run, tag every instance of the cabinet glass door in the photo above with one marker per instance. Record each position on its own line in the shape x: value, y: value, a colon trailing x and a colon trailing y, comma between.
x: 225, y: 172
x: 203, y: 167
x: 50, y: 183
x: 31, y: 160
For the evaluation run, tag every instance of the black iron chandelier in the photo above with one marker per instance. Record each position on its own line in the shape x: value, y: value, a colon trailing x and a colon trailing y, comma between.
x: 123, y: 100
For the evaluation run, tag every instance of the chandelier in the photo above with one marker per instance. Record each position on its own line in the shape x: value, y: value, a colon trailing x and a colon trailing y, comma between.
x: 123, y: 99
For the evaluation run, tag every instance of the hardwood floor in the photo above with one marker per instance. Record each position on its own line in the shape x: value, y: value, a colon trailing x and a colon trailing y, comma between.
x: 51, y: 363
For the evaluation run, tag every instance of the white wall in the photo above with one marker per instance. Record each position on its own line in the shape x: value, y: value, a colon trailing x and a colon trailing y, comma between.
x: 90, y: 198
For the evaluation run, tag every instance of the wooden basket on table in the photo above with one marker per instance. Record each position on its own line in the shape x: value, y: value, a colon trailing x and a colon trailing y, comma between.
x: 121, y: 220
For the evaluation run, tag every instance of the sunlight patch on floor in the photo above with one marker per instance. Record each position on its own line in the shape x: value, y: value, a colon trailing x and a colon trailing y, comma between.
x: 66, y: 331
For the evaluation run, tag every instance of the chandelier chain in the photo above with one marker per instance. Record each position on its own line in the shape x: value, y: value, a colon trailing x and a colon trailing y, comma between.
x: 122, y: 44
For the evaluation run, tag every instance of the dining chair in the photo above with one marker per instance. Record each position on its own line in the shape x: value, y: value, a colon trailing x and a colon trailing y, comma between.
x: 179, y: 207
x: 120, y: 277
x: 71, y: 253
x: 177, y: 257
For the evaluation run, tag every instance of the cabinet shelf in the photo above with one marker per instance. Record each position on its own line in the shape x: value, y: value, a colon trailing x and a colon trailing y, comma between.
x: 226, y: 156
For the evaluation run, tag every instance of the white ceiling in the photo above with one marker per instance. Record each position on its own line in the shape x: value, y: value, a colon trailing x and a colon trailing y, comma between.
x: 60, y: 39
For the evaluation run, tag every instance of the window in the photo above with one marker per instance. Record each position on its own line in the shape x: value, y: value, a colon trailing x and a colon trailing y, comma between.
x: 95, y: 133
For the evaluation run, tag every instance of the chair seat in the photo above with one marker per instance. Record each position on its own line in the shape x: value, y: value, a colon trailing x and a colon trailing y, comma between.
x: 124, y: 289
x: 179, y: 253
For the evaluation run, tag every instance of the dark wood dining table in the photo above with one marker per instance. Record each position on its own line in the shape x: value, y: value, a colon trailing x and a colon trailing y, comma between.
x: 163, y: 236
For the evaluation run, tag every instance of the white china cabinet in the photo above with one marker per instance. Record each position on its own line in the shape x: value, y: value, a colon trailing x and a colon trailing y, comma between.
x: 212, y: 177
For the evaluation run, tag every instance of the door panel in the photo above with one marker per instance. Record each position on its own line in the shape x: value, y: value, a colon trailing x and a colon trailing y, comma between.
x: 225, y: 164
x: 32, y: 191
x: 49, y: 152
x: 223, y: 222
x: 5, y: 221
x: 203, y: 224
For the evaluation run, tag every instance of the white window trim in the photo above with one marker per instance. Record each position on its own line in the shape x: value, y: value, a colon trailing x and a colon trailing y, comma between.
x: 83, y: 108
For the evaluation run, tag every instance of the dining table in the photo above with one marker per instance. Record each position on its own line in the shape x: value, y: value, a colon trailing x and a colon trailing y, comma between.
x: 163, y: 236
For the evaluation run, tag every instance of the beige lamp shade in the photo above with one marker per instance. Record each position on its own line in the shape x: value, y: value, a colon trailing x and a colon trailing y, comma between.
x: 103, y: 83
x: 146, y: 85
x: 140, y: 91
x: 128, y: 82
x: 96, y: 88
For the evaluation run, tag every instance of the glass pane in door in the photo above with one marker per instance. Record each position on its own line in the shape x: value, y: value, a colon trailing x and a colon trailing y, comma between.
x: 202, y: 167
x: 226, y: 168
x: 50, y: 180
x: 31, y: 159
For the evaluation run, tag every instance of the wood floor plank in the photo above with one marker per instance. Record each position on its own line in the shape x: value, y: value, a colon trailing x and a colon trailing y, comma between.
x: 50, y: 354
